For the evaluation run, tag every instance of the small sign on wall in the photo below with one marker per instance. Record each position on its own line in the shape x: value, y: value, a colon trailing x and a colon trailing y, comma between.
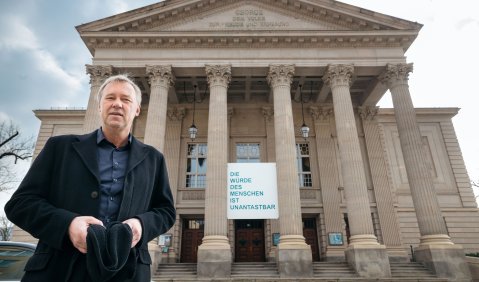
x: 335, y: 239
x: 252, y: 191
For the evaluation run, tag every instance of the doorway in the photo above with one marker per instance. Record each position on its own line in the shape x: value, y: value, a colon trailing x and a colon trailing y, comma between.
x: 192, y: 235
x: 249, y: 240
x: 311, y: 236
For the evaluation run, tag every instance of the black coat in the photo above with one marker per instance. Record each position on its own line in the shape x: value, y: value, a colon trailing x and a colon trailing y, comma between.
x: 63, y: 182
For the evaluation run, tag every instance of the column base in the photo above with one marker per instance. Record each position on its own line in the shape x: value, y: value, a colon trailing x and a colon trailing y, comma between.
x: 367, y: 257
x: 398, y: 254
x: 214, y: 258
x: 294, y: 257
x: 335, y: 253
x: 445, y: 259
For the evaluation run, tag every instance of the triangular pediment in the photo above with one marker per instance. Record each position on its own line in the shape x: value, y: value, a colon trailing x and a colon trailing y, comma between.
x: 289, y: 23
x: 245, y: 16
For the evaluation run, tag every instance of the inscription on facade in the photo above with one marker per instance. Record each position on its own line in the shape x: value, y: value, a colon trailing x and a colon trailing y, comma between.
x: 248, y: 19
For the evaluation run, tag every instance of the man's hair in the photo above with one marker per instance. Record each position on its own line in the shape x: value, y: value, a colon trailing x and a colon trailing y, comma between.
x: 120, y: 78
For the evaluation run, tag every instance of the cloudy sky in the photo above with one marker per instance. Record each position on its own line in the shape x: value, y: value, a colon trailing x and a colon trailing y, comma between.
x: 42, y: 58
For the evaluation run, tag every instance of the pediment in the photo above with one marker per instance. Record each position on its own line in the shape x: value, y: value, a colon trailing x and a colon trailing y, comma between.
x: 246, y: 16
x: 258, y: 23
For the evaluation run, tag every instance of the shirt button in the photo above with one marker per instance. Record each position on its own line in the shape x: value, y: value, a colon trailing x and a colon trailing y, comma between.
x: 111, y: 198
x: 94, y: 195
x: 115, y: 180
x: 116, y: 164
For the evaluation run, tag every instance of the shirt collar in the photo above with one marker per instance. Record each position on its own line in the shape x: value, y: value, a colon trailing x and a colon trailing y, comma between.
x: 100, y: 137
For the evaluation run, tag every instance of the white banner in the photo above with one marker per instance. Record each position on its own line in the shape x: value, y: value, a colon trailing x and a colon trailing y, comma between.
x: 252, y: 191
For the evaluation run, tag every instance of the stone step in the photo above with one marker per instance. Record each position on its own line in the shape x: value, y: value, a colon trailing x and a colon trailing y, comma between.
x: 333, y: 270
x: 410, y: 269
x: 259, y: 270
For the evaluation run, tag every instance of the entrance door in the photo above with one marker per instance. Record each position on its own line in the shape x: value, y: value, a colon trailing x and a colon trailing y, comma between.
x: 249, y: 241
x: 311, y: 236
x: 193, y: 231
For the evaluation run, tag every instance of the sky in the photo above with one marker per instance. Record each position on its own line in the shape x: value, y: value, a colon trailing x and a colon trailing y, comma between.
x: 42, y: 59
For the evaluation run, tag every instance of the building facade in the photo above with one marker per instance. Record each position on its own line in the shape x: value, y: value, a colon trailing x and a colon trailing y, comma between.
x: 367, y: 185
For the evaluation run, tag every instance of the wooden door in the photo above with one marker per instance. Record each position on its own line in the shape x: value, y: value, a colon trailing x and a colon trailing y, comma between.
x: 311, y: 236
x: 249, y: 241
x: 193, y: 232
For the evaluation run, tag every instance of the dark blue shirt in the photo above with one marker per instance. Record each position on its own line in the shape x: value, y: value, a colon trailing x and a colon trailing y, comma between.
x: 112, y: 164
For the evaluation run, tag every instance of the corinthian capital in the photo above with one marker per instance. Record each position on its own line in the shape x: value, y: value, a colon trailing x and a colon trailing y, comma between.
x: 218, y: 74
x: 160, y: 75
x: 176, y: 114
x: 338, y: 75
x: 280, y: 75
x: 368, y: 112
x: 322, y: 113
x: 98, y: 73
x: 396, y: 73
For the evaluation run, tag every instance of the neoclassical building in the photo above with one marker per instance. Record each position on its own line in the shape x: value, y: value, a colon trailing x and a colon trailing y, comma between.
x: 295, y: 83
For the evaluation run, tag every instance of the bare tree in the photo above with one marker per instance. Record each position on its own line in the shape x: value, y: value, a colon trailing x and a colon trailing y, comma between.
x: 5, y: 228
x: 13, y: 147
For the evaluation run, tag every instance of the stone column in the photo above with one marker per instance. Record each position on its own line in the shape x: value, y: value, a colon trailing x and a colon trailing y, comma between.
x: 436, y: 250
x: 161, y: 78
x: 214, y: 254
x: 329, y: 178
x: 387, y: 213
x: 364, y: 248
x: 172, y: 155
x: 97, y: 74
x: 268, y: 115
x: 294, y: 255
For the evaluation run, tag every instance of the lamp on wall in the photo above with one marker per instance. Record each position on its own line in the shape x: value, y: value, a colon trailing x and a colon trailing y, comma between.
x: 304, y: 127
x: 192, y: 130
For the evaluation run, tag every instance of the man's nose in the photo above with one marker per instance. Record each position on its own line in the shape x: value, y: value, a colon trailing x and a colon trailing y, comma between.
x: 117, y: 104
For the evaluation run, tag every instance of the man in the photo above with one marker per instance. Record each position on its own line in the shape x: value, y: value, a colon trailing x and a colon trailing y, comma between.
x: 94, y: 179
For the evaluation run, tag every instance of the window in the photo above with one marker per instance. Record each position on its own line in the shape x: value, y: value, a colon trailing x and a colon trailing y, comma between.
x: 247, y: 153
x: 304, y: 165
x: 196, y: 166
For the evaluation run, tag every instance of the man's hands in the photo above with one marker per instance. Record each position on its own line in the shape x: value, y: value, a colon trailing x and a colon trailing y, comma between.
x: 135, y: 226
x: 78, y: 231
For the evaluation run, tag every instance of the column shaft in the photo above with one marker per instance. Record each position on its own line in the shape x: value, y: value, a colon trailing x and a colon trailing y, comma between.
x: 280, y: 78
x: 216, y: 176
x: 382, y: 188
x: 97, y: 74
x: 161, y: 78
x: 355, y: 187
x: 420, y: 181
x: 328, y: 175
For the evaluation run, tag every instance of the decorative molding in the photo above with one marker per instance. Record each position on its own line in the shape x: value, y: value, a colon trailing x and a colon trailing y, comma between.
x: 231, y: 111
x: 193, y: 195
x: 307, y: 194
x: 337, y: 75
x: 160, y: 75
x: 176, y: 114
x: 218, y: 75
x: 321, y: 113
x: 268, y: 113
x: 280, y: 75
x: 396, y: 74
x: 98, y: 73
x: 368, y: 112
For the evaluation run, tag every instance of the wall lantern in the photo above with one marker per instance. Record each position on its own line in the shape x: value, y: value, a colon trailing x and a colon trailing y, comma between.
x: 192, y: 130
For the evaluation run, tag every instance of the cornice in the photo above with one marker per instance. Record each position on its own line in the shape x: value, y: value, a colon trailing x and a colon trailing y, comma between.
x: 258, y: 39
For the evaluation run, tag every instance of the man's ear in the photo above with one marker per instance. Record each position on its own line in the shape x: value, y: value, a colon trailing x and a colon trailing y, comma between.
x: 137, y: 111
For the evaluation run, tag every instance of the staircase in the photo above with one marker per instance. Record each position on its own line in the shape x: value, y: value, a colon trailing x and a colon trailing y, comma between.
x: 175, y: 271
x: 254, y: 269
x: 410, y: 269
x: 322, y: 271
x: 332, y: 270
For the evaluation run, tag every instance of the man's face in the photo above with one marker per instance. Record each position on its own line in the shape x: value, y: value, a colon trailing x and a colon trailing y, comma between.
x: 118, y: 106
